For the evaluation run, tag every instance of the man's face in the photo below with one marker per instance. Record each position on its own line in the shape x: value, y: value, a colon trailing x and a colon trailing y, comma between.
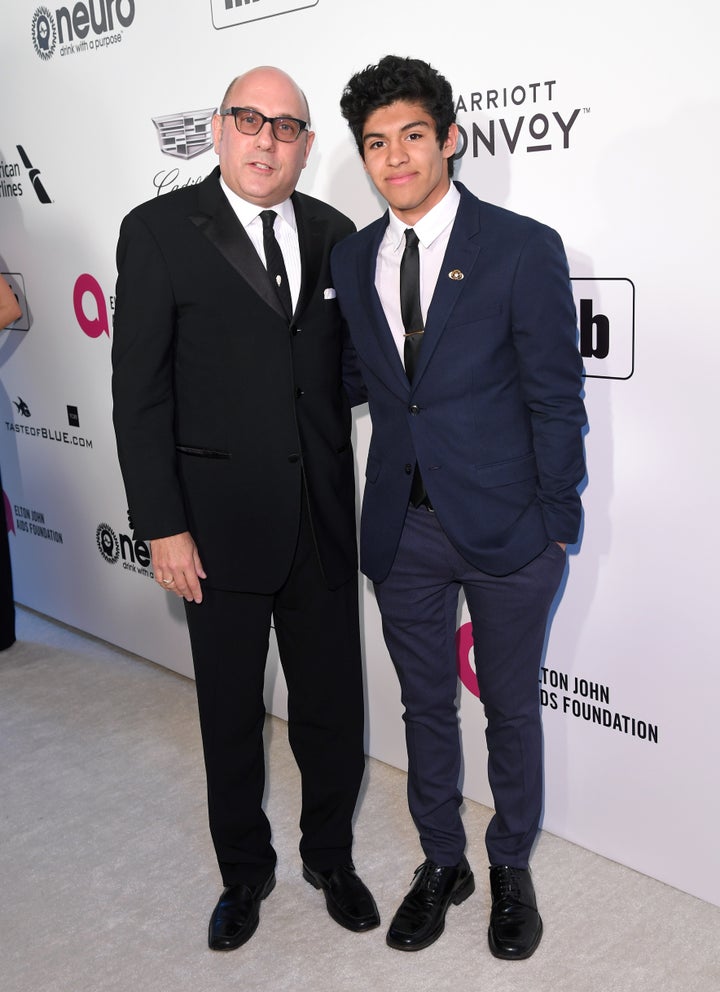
x: 404, y: 160
x: 259, y: 168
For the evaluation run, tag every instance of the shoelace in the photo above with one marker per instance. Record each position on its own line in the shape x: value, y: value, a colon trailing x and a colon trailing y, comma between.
x: 508, y: 885
x: 429, y: 880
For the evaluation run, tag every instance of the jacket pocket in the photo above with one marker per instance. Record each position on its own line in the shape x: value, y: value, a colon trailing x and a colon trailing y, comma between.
x: 202, y: 452
x: 506, y: 472
x: 467, y: 318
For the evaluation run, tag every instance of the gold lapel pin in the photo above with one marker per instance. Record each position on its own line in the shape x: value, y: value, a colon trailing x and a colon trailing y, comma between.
x: 456, y: 275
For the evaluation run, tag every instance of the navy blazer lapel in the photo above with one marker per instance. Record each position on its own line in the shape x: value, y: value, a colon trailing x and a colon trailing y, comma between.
x: 367, y: 264
x: 464, y: 246
x: 217, y: 220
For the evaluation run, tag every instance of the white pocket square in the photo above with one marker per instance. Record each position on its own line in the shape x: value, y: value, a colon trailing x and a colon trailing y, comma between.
x: 329, y: 294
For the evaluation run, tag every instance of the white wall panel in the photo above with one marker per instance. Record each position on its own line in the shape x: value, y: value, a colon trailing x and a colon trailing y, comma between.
x: 625, y: 98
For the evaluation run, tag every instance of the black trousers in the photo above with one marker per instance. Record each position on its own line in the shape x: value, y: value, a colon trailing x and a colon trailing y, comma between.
x: 318, y: 638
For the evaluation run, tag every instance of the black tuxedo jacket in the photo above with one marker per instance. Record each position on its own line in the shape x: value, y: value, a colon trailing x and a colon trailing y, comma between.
x: 223, y: 410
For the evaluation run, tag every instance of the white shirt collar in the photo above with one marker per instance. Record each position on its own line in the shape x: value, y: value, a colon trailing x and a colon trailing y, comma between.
x: 431, y: 225
x: 247, y: 212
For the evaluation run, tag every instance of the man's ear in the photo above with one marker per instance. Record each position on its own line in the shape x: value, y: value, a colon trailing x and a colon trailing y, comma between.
x: 450, y: 145
x: 217, y: 126
x: 308, y: 146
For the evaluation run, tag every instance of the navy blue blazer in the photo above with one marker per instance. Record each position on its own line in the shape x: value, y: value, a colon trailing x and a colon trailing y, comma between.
x: 494, y: 415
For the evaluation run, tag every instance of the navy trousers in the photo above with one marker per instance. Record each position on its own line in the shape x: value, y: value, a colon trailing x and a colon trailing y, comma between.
x: 419, y: 602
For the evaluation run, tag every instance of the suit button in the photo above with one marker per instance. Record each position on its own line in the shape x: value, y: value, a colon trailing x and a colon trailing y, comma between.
x: 293, y: 459
x: 295, y: 331
x: 408, y: 469
x: 299, y: 393
x: 414, y: 409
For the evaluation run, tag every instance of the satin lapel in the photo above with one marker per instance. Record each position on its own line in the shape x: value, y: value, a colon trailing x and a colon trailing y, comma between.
x: 465, y: 245
x: 217, y: 220
x: 312, y: 235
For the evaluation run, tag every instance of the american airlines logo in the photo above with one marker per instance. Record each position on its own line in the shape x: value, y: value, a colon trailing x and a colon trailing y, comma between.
x: 228, y: 13
x: 11, y: 175
x: 185, y: 135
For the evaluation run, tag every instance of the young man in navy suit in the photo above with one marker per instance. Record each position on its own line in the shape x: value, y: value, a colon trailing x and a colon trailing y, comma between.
x: 462, y: 317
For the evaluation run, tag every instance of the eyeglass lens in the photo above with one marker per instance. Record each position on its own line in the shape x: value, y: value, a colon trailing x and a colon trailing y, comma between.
x: 284, y: 128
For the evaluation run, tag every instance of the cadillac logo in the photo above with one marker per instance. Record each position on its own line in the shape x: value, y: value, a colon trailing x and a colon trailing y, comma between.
x: 185, y: 135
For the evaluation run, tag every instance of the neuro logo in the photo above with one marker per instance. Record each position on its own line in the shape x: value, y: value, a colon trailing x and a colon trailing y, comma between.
x: 606, y: 318
x: 73, y: 416
x: 92, y: 313
x: 44, y: 33
x: 185, y: 135
x: 135, y: 554
x: 8, y: 514
x: 22, y: 408
x: 227, y: 13
x: 464, y: 647
x: 34, y: 175
x: 69, y: 27
x: 107, y: 543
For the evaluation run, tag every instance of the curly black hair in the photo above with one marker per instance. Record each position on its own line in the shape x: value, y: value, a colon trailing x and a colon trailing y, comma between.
x: 395, y: 78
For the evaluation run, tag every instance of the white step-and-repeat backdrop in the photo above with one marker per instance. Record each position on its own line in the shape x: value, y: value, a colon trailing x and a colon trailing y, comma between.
x: 601, y: 122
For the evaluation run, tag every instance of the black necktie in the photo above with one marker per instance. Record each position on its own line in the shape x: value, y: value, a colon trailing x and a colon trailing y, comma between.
x: 274, y: 261
x: 414, y: 330
x: 410, y: 302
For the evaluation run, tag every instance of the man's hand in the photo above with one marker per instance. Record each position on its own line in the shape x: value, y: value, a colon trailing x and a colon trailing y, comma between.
x: 177, y: 566
x: 561, y: 545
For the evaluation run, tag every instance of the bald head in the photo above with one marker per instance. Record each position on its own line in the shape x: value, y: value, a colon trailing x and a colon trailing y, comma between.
x: 264, y: 79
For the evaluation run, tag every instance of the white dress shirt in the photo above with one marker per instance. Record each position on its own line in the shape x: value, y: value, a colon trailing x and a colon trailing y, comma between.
x: 433, y: 231
x: 285, y: 231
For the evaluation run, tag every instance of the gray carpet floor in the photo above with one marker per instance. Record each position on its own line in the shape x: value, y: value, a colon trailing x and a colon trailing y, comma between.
x: 107, y: 874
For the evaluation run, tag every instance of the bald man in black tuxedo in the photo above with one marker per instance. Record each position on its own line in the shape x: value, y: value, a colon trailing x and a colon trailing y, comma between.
x: 233, y: 381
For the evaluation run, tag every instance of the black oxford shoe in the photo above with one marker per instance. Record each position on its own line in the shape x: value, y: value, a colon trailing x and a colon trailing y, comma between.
x: 421, y: 917
x: 348, y: 899
x: 515, y: 924
x: 236, y: 916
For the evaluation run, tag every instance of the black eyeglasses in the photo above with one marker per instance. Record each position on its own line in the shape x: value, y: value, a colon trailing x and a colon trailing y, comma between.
x: 252, y: 122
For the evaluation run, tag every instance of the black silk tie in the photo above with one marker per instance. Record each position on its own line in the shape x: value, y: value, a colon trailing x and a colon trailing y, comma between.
x: 274, y: 261
x: 414, y: 329
x: 410, y: 302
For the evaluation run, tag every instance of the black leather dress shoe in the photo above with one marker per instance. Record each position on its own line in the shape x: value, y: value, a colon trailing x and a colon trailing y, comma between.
x: 421, y: 917
x: 348, y: 899
x: 515, y: 924
x: 236, y: 916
